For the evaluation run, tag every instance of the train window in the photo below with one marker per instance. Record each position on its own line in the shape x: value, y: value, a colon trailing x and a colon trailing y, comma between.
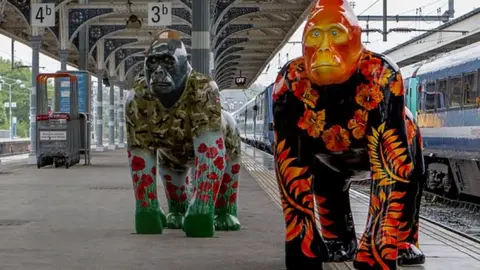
x: 430, y: 87
x: 442, y: 88
x: 470, y: 88
x: 430, y: 101
x: 260, y: 108
x: 456, y: 91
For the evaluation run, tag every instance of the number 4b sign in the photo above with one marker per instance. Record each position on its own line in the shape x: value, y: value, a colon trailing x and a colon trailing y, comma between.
x: 42, y: 15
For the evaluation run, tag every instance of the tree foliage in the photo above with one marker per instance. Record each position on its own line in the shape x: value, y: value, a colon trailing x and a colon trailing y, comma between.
x: 21, y: 96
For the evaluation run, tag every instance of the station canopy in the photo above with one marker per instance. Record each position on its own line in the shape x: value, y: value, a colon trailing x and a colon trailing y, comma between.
x: 246, y: 34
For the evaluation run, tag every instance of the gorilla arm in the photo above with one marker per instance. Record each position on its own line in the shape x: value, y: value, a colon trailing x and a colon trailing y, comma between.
x: 293, y: 157
x: 209, y: 157
x: 149, y: 217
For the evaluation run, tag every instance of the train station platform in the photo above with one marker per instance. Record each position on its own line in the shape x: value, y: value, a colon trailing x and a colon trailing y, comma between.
x: 82, y: 218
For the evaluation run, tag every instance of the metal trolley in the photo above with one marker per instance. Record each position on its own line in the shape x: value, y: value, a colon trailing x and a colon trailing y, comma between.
x: 58, y: 133
x: 62, y: 104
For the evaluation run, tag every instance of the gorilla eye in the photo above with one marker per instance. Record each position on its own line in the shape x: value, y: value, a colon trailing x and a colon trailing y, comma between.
x: 316, y: 33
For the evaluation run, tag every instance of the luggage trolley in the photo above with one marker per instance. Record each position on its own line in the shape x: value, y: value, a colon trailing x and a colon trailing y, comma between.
x: 62, y: 104
x: 58, y: 133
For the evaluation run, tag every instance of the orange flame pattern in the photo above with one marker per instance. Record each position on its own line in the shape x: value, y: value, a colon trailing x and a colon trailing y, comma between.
x: 380, y: 243
x: 297, y: 199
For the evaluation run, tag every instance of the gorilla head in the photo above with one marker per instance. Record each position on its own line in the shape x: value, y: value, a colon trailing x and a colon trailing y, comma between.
x: 166, y: 64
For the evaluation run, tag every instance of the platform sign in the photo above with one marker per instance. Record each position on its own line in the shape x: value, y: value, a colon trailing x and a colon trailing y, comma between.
x: 160, y: 14
x: 83, y: 79
x: 42, y: 15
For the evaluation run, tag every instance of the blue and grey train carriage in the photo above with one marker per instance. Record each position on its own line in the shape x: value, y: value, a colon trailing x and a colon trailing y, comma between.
x: 254, y: 120
x: 444, y: 96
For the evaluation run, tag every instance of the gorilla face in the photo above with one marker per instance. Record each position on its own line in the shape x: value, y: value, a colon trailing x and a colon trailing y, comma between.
x: 166, y: 66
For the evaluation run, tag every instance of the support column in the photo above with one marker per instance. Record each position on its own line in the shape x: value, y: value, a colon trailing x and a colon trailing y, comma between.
x: 36, y: 42
x: 121, y: 115
x: 99, y: 105
x: 63, y: 54
x: 83, y: 47
x: 112, y: 72
x: 201, y: 36
x: 111, y: 116
x: 99, y: 113
x: 121, y: 107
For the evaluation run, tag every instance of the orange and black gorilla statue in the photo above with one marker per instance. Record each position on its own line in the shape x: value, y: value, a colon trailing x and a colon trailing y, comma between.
x: 338, y: 110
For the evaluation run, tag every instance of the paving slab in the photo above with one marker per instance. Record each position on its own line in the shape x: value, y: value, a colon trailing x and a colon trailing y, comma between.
x: 82, y: 218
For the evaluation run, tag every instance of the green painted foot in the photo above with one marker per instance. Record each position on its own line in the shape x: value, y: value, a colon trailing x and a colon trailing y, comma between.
x: 199, y: 226
x: 227, y: 222
x: 150, y: 222
x: 175, y: 220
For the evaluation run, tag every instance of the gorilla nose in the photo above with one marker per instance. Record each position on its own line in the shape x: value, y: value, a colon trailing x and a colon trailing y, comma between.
x: 161, y: 73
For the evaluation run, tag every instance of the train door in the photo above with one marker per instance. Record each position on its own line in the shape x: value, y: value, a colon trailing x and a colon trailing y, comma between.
x: 265, y: 117
x: 269, y: 115
x: 412, y: 96
x: 246, y: 117
x: 255, y: 114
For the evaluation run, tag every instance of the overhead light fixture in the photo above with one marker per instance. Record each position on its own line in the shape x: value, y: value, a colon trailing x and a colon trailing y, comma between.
x: 133, y: 22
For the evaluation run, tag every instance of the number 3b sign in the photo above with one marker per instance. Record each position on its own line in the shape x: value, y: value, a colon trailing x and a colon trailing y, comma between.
x: 160, y: 14
x: 42, y: 15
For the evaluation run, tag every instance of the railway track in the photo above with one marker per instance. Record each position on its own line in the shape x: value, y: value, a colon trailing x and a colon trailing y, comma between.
x: 438, y: 199
x: 441, y: 211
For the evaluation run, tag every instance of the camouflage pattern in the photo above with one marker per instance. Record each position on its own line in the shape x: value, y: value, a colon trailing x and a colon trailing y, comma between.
x: 171, y: 131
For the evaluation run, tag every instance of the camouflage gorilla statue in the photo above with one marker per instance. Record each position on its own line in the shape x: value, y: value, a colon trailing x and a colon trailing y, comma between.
x: 339, y: 109
x: 174, y: 117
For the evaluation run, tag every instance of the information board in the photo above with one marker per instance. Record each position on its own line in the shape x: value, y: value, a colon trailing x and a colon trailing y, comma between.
x: 64, y: 89
x: 53, y: 135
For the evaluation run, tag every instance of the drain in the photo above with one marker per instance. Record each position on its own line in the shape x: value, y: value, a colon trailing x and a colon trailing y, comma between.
x: 13, y: 222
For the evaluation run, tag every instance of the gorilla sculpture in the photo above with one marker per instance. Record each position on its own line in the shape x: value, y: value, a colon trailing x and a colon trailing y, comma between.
x: 339, y: 110
x: 174, y: 114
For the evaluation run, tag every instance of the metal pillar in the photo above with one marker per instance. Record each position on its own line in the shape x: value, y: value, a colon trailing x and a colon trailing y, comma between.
x: 385, y: 14
x: 112, y: 72
x: 201, y: 36
x: 36, y: 43
x: 451, y: 8
x: 120, y: 116
x: 99, y: 106
x: 111, y: 117
x: 83, y: 47
x: 99, y: 113
x: 63, y: 54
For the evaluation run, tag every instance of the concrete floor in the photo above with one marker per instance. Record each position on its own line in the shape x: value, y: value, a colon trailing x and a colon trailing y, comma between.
x: 82, y: 218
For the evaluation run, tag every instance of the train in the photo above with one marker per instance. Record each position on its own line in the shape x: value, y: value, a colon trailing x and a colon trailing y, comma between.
x: 255, y: 120
x: 443, y: 94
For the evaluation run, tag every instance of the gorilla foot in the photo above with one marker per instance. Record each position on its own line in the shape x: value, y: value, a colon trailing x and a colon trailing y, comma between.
x: 175, y: 220
x: 151, y: 222
x: 341, y: 251
x: 410, y: 256
x: 227, y: 222
x: 372, y: 264
x: 199, y: 225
